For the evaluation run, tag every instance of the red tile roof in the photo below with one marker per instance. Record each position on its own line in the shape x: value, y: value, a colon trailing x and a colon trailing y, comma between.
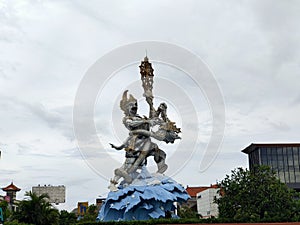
x: 11, y: 187
x: 192, y: 191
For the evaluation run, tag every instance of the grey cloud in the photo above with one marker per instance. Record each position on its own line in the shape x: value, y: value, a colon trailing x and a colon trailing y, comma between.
x: 280, y: 126
x: 76, y: 182
x: 3, y: 74
x: 9, y: 172
x: 279, y: 23
x: 23, y: 149
x: 10, y: 29
x: 29, y: 150
x: 85, y: 154
x: 294, y: 101
x: 59, y: 118
x: 91, y: 10
x: 73, y: 153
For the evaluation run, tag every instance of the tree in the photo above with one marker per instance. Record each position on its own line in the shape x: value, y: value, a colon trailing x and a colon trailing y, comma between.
x: 5, y: 210
x: 186, y: 212
x: 66, y: 218
x: 255, y: 195
x: 37, y: 210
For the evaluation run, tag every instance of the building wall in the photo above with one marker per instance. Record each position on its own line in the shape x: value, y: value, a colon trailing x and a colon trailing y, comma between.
x: 284, y: 161
x: 205, y: 203
x: 57, y: 194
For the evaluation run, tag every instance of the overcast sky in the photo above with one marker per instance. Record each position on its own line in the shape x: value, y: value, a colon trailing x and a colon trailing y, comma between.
x: 46, y: 48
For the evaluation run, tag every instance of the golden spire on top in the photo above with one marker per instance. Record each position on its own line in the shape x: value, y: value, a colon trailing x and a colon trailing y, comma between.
x: 146, y: 68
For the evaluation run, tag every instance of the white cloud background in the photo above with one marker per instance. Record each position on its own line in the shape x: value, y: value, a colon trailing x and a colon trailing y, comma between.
x: 46, y: 48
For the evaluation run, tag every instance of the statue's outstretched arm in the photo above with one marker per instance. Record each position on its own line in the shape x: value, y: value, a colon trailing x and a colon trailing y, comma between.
x: 124, y: 145
x: 117, y: 147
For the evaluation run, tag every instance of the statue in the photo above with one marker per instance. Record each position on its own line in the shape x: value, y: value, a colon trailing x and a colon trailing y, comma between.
x: 138, y: 145
x: 141, y: 195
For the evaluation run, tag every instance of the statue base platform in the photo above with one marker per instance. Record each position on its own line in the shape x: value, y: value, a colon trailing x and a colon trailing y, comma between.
x: 149, y: 196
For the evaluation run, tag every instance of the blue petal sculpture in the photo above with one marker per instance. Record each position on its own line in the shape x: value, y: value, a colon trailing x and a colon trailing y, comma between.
x: 141, y: 195
x: 145, y: 198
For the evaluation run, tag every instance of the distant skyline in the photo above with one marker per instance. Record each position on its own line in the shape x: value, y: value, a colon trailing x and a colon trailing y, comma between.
x: 252, y: 48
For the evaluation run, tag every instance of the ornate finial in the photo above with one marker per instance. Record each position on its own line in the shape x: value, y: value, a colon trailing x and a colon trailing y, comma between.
x: 146, y: 68
x: 147, y: 75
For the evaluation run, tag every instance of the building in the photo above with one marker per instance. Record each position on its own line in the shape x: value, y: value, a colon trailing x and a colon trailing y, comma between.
x: 284, y: 159
x: 11, y: 193
x: 82, y: 208
x: 57, y: 194
x: 192, y: 202
x: 193, y: 191
x: 99, y: 203
x: 205, y: 202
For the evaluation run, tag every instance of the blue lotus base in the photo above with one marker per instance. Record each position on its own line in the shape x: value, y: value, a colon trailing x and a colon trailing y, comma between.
x: 145, y: 198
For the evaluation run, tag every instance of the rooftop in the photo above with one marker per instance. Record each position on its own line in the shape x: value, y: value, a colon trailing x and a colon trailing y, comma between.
x: 192, y: 191
x: 11, y: 187
x: 254, y: 146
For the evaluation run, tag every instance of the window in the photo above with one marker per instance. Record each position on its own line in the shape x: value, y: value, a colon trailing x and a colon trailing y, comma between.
x: 291, y: 168
x: 263, y: 156
x: 296, y: 164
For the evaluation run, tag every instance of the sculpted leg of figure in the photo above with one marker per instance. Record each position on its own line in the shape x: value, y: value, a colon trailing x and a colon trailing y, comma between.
x: 114, y: 181
x: 160, y: 158
x: 121, y: 172
x: 159, y: 155
x: 141, y: 157
x: 124, y: 174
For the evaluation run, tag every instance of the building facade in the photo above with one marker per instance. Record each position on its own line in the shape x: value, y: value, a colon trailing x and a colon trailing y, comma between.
x: 192, y: 191
x: 57, y: 194
x: 202, y: 206
x: 205, y: 202
x: 284, y: 159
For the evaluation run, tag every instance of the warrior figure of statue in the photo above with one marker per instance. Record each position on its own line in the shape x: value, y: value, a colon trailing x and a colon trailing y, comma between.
x: 138, y: 145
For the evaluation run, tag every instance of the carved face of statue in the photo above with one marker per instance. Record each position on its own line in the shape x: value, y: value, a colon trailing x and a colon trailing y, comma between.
x: 132, y: 109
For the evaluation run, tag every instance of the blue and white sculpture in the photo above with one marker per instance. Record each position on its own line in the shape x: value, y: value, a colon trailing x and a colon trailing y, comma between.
x: 141, y: 195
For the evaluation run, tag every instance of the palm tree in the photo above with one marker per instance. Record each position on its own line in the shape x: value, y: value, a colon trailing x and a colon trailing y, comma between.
x: 37, y: 210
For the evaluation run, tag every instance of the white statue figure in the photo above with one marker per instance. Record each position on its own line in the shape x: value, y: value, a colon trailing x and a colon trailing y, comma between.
x: 138, y: 145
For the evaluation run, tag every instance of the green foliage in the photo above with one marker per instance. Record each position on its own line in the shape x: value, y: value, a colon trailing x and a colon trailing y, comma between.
x: 186, y: 212
x: 36, y: 210
x: 15, y: 222
x: 66, y: 218
x: 258, y: 195
x: 296, y: 211
x: 6, y: 212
